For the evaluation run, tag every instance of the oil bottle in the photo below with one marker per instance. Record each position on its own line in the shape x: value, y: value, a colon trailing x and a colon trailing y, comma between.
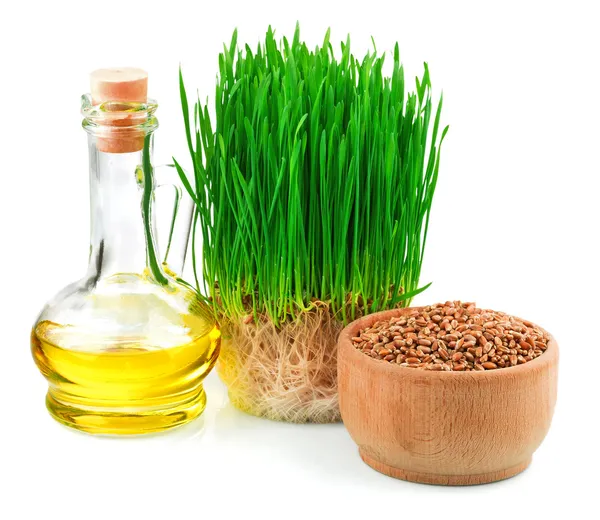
x: 126, y: 348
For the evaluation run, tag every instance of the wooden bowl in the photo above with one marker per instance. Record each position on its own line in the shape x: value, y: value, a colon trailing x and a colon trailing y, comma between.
x: 452, y: 428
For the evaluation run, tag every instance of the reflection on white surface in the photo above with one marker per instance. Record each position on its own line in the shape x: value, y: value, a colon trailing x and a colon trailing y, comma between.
x: 323, y: 450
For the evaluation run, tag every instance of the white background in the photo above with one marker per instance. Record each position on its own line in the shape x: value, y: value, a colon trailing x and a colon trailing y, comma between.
x: 514, y: 227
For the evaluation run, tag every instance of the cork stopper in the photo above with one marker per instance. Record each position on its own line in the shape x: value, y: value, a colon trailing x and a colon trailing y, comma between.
x: 126, y: 85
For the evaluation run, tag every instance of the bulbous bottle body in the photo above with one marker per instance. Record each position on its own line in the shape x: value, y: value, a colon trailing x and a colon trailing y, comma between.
x: 126, y: 348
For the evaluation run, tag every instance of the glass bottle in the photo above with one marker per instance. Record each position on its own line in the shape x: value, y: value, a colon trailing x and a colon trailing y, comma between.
x: 125, y: 349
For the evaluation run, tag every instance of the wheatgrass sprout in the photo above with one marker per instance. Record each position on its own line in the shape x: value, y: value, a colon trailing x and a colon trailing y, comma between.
x: 313, y: 187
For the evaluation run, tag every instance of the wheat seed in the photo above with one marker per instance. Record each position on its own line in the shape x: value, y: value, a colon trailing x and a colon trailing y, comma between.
x: 453, y: 336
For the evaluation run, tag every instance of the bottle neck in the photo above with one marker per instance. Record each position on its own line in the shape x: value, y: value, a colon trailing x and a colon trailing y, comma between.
x: 118, y: 236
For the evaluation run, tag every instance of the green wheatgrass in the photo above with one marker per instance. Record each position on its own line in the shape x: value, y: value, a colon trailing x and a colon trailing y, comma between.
x: 314, y: 183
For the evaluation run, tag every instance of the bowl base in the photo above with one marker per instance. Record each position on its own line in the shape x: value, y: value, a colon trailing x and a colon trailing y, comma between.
x: 445, y: 480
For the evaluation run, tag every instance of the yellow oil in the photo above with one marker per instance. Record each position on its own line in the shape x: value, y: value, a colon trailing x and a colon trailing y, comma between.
x: 125, y: 386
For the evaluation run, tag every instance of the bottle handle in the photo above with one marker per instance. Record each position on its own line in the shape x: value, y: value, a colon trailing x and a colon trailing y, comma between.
x: 181, y: 220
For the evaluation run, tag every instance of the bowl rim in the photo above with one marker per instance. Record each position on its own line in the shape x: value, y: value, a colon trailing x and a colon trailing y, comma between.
x: 549, y: 356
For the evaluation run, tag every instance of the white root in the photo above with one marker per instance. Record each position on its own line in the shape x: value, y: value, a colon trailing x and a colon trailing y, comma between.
x: 286, y: 373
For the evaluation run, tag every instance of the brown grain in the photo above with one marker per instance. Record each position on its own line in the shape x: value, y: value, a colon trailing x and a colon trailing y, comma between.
x: 453, y: 336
